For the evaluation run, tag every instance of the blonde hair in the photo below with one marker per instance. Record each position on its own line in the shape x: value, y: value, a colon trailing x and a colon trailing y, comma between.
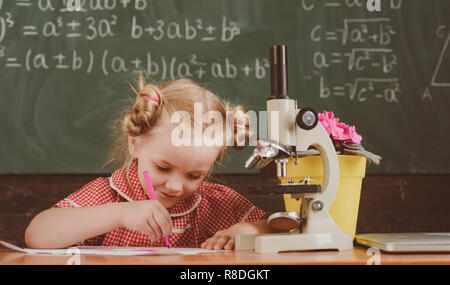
x: 155, y: 104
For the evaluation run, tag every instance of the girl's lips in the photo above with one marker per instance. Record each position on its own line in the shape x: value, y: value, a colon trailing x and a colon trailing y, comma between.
x: 167, y: 196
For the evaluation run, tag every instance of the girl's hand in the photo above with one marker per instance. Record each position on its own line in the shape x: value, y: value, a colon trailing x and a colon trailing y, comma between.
x: 225, y: 239
x: 221, y: 240
x: 149, y: 217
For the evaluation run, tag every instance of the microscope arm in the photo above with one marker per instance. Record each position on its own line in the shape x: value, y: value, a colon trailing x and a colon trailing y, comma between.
x: 320, y: 139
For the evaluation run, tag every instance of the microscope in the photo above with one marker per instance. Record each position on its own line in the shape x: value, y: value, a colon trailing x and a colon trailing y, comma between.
x: 291, y: 132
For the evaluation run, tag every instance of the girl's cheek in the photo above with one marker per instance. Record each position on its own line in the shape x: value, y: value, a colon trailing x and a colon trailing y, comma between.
x: 158, y: 183
x: 193, y: 187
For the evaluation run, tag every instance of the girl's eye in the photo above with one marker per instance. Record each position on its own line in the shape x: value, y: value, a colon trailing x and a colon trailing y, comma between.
x: 190, y: 176
x: 193, y: 177
x: 163, y: 169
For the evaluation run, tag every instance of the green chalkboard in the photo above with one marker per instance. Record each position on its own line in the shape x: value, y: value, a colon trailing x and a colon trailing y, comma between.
x: 64, y: 73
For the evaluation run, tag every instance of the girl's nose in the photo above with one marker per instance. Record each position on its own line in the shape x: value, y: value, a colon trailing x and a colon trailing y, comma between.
x: 174, y: 185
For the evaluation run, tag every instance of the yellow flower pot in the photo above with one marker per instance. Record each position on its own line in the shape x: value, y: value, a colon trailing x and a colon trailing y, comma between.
x: 344, y: 210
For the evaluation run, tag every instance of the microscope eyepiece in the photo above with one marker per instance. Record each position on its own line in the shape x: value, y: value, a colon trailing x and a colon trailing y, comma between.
x: 278, y: 72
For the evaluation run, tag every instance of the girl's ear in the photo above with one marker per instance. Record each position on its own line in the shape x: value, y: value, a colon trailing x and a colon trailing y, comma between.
x: 132, y: 147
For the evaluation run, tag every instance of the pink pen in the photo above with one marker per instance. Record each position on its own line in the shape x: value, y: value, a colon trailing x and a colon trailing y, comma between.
x: 151, y: 191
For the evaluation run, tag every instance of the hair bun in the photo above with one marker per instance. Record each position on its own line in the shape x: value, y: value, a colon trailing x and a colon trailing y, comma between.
x: 150, y: 92
x: 143, y: 115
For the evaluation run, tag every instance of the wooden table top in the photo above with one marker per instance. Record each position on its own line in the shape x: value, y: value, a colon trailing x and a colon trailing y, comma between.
x: 358, y: 256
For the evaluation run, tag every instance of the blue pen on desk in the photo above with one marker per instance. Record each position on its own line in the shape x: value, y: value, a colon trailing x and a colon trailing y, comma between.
x: 151, y: 191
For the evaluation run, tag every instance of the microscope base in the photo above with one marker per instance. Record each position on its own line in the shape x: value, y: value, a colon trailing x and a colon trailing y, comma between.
x: 274, y: 243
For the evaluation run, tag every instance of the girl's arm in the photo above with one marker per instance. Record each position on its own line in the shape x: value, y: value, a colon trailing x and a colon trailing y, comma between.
x: 225, y: 239
x: 62, y: 227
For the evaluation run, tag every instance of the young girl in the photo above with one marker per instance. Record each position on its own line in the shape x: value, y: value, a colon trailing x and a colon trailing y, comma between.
x: 117, y: 211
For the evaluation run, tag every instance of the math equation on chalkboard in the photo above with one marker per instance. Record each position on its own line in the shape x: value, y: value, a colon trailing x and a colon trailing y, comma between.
x: 94, y: 25
x: 354, y: 56
x: 65, y: 66
x: 361, y: 47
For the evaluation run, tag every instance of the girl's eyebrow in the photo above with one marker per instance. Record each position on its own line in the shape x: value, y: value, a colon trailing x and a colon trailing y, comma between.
x: 202, y: 172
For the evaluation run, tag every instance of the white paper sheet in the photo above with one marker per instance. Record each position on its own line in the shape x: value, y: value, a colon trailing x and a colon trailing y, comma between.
x: 111, y: 250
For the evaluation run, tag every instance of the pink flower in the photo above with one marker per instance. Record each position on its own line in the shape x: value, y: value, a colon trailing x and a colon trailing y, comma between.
x: 353, y: 137
x: 339, y: 131
x: 328, y: 121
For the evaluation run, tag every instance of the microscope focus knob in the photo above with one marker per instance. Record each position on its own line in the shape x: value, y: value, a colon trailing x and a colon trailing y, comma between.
x: 307, y: 119
x: 317, y: 205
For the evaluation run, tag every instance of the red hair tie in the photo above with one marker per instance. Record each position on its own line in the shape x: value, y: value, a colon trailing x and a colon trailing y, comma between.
x: 153, y: 99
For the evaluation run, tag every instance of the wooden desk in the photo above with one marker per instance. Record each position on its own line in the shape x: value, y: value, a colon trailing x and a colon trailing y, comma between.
x: 358, y: 256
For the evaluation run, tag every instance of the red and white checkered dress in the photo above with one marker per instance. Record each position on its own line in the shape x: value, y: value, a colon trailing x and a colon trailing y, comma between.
x: 213, y: 207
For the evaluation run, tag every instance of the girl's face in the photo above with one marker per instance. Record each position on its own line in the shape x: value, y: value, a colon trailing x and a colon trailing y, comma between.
x: 176, y: 171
